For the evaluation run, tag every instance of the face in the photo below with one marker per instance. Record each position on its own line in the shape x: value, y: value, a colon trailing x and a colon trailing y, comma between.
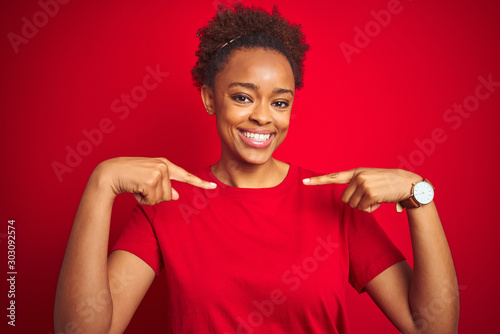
x: 252, y: 100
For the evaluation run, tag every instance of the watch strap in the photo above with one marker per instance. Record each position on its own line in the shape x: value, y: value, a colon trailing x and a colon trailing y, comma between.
x: 410, y: 202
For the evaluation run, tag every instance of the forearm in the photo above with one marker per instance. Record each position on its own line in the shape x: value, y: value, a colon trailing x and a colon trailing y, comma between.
x: 83, y: 297
x: 434, y: 299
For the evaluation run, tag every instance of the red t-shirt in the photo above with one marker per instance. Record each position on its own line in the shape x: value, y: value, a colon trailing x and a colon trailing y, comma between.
x: 266, y: 260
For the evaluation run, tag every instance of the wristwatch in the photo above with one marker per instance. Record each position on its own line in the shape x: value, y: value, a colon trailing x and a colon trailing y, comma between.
x: 422, y: 193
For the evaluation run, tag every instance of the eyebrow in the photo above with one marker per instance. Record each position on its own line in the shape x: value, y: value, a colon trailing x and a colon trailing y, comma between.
x: 282, y: 91
x: 255, y: 87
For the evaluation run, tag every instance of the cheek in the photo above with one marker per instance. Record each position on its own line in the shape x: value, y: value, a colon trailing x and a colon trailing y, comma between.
x: 232, y: 116
x: 227, y: 120
x: 283, y: 122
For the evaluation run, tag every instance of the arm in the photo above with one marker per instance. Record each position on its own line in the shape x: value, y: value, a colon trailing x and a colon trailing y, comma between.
x: 429, y: 296
x: 434, y: 283
x: 85, y: 293
x: 96, y: 294
x: 424, y: 300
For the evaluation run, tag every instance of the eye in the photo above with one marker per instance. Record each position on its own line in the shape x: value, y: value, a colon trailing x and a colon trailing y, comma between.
x: 281, y: 104
x: 241, y: 98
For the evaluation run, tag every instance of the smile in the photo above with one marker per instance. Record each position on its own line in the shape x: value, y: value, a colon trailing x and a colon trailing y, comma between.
x: 256, y: 140
x: 256, y: 136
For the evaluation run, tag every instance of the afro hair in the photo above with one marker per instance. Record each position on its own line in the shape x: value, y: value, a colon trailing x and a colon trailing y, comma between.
x: 239, y: 27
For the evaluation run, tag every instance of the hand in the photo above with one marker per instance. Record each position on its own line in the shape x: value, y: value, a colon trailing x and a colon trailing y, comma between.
x: 369, y: 187
x: 147, y: 178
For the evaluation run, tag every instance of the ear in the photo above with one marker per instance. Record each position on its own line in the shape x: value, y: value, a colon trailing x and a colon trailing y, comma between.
x: 207, y: 95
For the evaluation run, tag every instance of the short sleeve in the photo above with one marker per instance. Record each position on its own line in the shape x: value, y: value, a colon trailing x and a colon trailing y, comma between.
x: 138, y: 237
x: 370, y: 249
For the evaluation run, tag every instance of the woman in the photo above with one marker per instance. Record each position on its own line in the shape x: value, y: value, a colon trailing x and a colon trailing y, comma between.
x: 252, y: 244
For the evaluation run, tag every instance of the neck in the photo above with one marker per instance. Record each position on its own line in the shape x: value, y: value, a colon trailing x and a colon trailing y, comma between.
x: 239, y: 174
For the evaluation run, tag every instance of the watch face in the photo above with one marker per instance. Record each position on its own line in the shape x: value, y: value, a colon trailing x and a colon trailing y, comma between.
x: 423, y: 192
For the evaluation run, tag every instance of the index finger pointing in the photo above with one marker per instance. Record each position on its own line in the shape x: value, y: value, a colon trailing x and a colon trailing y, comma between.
x: 179, y: 174
x: 338, y: 177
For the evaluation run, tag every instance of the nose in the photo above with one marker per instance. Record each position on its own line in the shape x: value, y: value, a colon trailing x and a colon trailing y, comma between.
x: 261, y: 114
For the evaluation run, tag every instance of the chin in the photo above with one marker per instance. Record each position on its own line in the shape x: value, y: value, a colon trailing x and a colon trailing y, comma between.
x: 255, y: 159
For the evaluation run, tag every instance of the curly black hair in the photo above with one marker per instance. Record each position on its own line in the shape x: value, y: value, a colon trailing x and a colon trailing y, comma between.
x: 239, y: 27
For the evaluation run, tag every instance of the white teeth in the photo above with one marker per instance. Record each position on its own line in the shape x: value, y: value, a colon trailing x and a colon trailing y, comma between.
x: 256, y: 136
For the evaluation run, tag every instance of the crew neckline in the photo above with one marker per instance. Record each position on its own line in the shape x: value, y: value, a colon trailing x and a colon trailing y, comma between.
x: 223, y: 188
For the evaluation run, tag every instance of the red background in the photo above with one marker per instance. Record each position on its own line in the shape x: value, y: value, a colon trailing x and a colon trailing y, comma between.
x: 370, y: 111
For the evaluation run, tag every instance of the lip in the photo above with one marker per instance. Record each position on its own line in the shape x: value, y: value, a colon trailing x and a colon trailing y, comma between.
x: 253, y: 143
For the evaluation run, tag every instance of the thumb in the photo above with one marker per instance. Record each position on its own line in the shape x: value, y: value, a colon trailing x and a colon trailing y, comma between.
x: 338, y: 177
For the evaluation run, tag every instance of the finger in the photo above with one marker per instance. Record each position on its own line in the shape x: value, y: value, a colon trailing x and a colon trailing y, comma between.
x: 356, y: 198
x: 166, y: 188
x: 371, y: 208
x: 175, y: 194
x: 144, y: 196
x: 338, y: 177
x: 159, y: 191
x: 139, y: 198
x: 349, y: 192
x: 179, y: 174
x: 151, y: 189
x: 169, y: 193
x: 374, y: 207
x: 368, y: 204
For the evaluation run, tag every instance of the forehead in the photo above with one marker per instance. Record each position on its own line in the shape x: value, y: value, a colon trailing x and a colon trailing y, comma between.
x: 259, y: 66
